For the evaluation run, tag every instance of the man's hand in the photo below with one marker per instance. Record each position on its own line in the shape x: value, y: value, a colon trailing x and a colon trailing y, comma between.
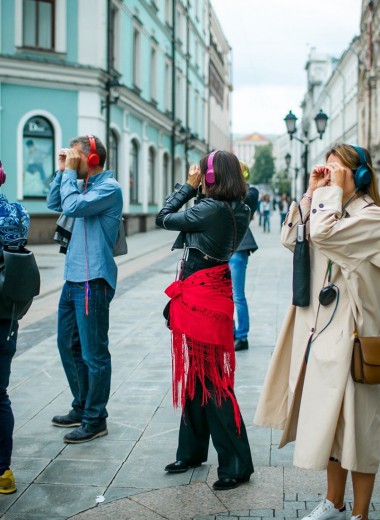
x: 62, y: 159
x: 195, y: 176
x: 72, y: 159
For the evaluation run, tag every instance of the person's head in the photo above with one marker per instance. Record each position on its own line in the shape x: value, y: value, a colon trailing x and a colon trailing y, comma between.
x: 83, y: 146
x: 229, y: 184
x: 30, y: 144
x: 346, y: 155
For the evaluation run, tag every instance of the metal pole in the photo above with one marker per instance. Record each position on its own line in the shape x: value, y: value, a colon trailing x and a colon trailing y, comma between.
x: 173, y: 136
x: 306, y: 169
x: 187, y: 88
x: 109, y: 67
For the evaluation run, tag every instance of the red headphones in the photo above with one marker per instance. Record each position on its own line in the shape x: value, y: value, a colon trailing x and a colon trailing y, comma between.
x: 93, y: 158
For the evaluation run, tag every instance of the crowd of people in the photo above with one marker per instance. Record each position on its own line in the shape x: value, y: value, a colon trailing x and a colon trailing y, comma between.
x: 308, y: 391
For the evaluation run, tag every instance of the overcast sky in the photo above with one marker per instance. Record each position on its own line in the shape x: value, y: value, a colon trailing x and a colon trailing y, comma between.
x: 270, y: 41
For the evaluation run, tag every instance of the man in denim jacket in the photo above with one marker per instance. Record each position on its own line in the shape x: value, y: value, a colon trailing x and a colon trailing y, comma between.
x: 90, y: 281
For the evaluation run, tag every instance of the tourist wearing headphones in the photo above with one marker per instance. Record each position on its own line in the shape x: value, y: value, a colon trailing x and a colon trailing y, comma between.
x: 83, y: 190
x: 309, y: 391
x: 238, y: 265
x: 201, y: 317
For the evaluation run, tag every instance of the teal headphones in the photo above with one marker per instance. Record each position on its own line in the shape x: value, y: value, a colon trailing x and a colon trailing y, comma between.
x: 362, y: 175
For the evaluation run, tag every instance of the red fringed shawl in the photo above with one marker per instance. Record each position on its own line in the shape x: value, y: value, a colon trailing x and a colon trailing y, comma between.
x: 201, y: 321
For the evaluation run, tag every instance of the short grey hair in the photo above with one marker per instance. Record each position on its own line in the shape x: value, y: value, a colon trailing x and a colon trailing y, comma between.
x: 84, y: 143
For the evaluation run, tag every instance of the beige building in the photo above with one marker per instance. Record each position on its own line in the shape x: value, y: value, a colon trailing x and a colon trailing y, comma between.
x: 220, y: 87
x: 244, y: 147
x: 369, y: 80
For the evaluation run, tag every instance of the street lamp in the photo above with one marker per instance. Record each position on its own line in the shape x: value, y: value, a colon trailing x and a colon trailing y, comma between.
x: 291, y: 126
x: 188, y: 142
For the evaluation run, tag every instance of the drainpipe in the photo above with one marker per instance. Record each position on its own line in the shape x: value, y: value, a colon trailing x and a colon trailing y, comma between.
x: 173, y: 136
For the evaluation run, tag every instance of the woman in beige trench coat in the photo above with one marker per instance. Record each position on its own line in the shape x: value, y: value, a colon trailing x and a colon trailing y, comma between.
x: 334, y: 421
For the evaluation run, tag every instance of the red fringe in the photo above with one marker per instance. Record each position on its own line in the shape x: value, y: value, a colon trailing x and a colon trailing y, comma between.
x: 201, y: 320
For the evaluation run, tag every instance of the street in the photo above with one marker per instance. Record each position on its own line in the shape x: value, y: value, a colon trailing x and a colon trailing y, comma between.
x: 59, y: 481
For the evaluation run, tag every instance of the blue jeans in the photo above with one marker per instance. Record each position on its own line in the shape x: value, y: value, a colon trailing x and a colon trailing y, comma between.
x: 83, y: 346
x: 266, y: 223
x: 238, y: 266
x: 7, y: 351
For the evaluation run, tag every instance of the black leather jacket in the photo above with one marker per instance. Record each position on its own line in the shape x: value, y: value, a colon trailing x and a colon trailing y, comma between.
x: 249, y: 243
x: 208, y: 226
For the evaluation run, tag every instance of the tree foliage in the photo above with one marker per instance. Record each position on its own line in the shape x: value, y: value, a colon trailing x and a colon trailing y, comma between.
x: 263, y: 167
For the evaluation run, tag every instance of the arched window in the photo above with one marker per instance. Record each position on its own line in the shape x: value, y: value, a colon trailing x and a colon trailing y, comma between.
x: 38, y: 156
x: 133, y: 172
x: 151, y: 175
x: 113, y: 156
x: 165, y: 175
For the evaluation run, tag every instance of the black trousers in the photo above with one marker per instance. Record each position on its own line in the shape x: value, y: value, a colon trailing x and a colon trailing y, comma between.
x: 199, y: 422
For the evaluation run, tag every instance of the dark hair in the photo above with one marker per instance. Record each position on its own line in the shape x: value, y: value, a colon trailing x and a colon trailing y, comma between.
x: 29, y: 142
x: 84, y: 142
x: 229, y: 183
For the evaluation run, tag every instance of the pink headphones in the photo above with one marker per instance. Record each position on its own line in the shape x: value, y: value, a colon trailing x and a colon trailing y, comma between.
x: 2, y: 174
x: 210, y: 174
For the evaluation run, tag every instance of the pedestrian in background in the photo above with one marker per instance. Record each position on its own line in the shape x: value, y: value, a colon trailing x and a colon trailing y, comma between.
x: 265, y: 208
x: 14, y: 226
x: 284, y: 207
x: 90, y: 282
x: 201, y: 318
x: 238, y: 265
x: 309, y: 391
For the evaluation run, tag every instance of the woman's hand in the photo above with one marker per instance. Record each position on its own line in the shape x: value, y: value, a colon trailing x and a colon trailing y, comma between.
x: 337, y: 174
x: 319, y: 177
x: 195, y: 176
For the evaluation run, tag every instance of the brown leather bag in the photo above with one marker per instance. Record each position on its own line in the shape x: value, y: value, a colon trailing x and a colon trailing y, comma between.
x: 365, y: 365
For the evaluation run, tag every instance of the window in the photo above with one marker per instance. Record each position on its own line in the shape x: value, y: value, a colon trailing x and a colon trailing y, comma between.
x: 153, y: 74
x: 151, y: 175
x: 179, y: 97
x: 168, y: 87
x: 114, y: 38
x: 165, y: 175
x: 38, y: 156
x: 168, y: 11
x: 134, y: 172
x: 136, y: 58
x: 38, y: 24
x: 113, y: 156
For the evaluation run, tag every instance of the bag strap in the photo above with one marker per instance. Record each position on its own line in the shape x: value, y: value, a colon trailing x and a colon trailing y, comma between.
x: 228, y: 206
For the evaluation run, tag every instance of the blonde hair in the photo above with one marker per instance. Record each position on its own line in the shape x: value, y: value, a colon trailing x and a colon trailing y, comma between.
x: 350, y: 158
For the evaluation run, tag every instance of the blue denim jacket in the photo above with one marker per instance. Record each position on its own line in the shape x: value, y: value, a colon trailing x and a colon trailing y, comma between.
x: 97, y: 216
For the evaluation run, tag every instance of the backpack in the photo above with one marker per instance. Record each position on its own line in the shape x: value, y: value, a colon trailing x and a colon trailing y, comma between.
x: 19, y: 277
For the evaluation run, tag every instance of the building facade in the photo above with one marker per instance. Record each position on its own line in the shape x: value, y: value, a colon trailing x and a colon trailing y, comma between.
x: 369, y: 80
x: 133, y: 72
x: 244, y: 147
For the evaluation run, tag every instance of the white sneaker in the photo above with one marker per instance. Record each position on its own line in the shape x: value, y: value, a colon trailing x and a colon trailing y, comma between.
x: 357, y: 517
x: 325, y: 510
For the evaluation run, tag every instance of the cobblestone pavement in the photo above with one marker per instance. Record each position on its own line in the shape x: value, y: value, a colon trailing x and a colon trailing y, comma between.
x: 58, y: 481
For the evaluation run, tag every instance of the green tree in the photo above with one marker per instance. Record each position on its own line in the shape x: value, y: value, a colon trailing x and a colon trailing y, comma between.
x: 263, y: 167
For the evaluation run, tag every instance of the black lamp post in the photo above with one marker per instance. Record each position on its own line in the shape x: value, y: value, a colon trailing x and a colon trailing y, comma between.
x: 111, y: 84
x: 288, y: 159
x: 291, y: 126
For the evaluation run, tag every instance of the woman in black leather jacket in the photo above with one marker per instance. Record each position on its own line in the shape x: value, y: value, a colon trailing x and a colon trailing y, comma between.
x: 201, y: 318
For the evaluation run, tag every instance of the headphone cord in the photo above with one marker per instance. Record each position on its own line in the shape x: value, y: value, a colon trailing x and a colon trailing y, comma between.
x: 87, y: 285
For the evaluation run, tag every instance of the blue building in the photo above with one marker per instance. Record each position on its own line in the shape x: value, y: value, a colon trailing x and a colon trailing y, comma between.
x: 133, y: 72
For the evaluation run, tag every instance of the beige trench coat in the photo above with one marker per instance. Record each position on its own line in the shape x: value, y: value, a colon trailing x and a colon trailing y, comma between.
x: 318, y: 405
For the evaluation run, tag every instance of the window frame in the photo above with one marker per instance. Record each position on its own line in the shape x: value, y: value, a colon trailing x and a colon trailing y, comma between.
x: 52, y: 25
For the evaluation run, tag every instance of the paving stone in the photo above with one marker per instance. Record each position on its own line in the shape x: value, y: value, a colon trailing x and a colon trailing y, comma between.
x: 42, y: 501
x: 182, y: 502
x: 294, y: 505
x: 76, y: 473
x: 262, y: 512
x: 291, y: 497
x: 120, y: 510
